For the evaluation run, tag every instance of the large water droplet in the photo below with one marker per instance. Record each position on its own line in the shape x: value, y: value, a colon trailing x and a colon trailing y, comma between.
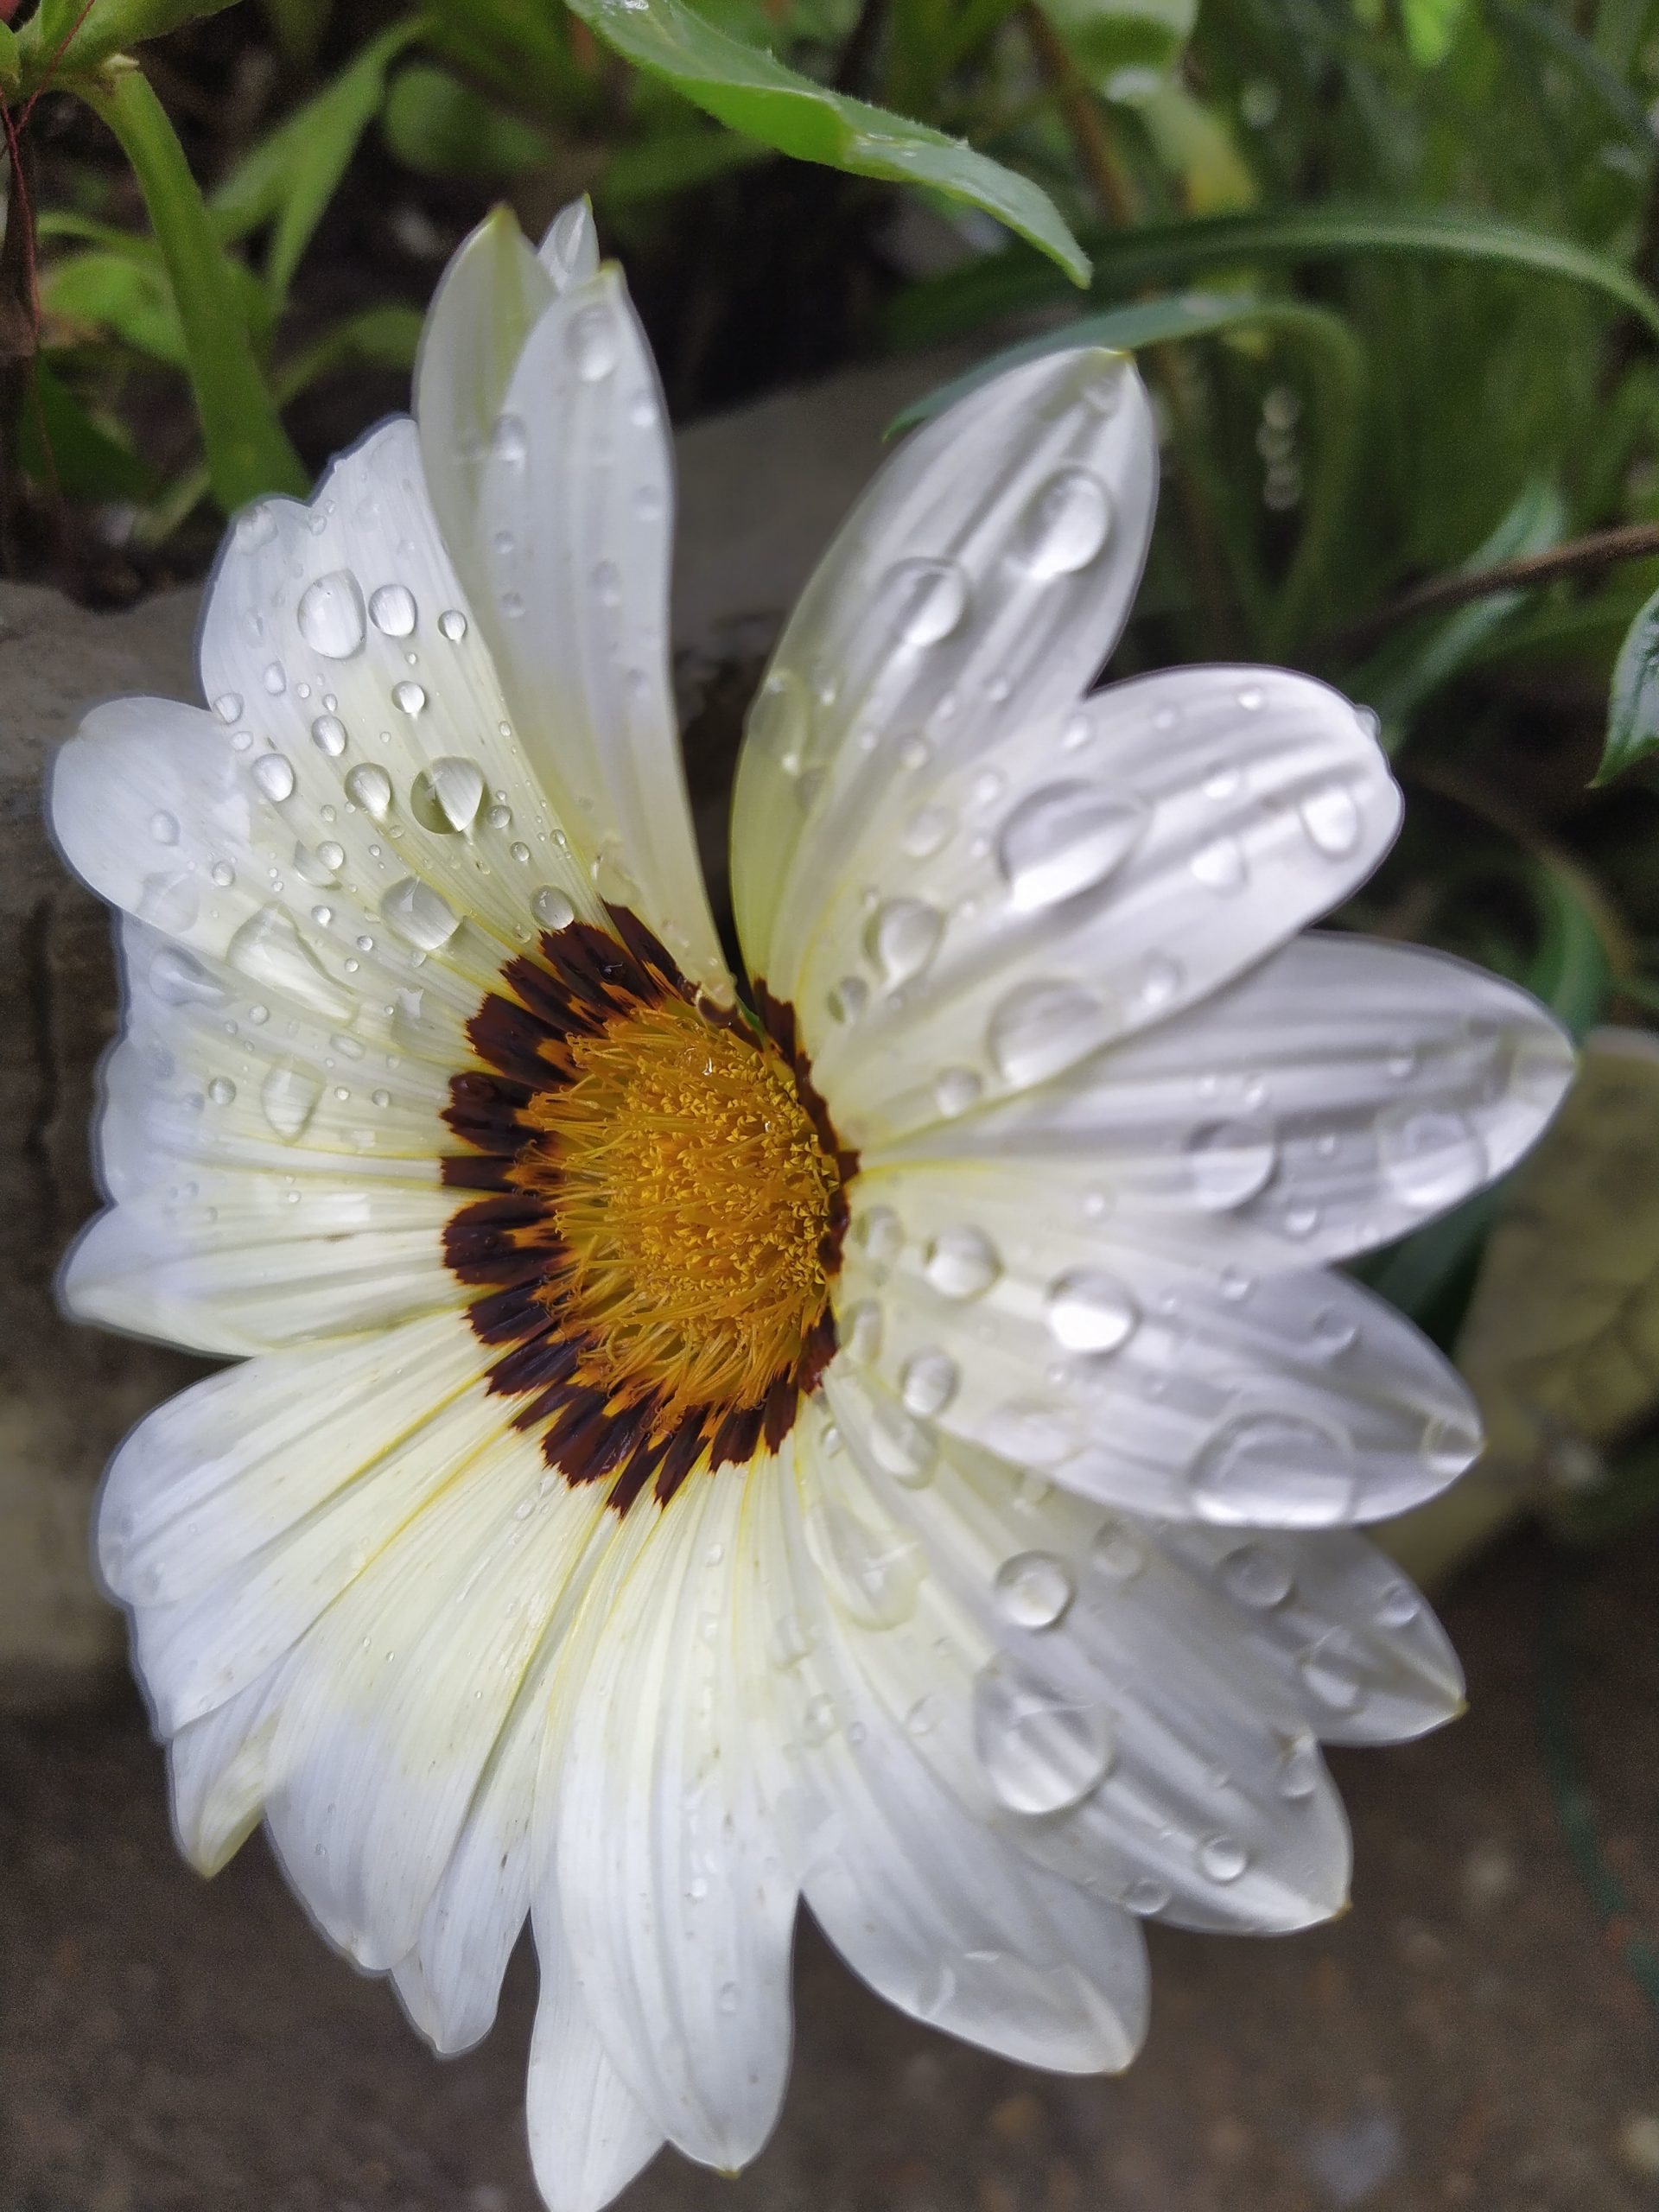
x: 1222, y: 1858
x: 1039, y: 1028
x: 369, y: 786
x: 269, y: 950
x: 1088, y: 1310
x: 416, y: 912
x: 551, y: 908
x: 328, y: 735
x: 872, y: 1574
x: 928, y: 600
x: 452, y: 624
x: 929, y: 1382
x: 902, y: 938
x: 1257, y: 1577
x: 275, y: 776
x: 1067, y: 524
x: 288, y: 1098
x: 1034, y: 1589
x: 331, y: 615
x: 1066, y: 838
x: 409, y: 698
x: 447, y: 796
x: 1228, y: 1162
x: 1431, y: 1155
x: 178, y: 978
x: 164, y: 827
x: 1041, y: 1751
x: 591, y: 342
x: 1330, y: 817
x: 961, y: 1263
x: 1273, y: 1467
x: 393, y: 610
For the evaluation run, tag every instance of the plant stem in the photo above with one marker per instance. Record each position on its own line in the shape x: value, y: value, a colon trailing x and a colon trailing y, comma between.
x: 1600, y: 549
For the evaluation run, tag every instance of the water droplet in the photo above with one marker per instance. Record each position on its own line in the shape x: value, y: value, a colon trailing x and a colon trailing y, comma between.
x: 1067, y: 524
x: 961, y: 1263
x: 1220, y: 865
x: 923, y: 1717
x: 222, y: 1090
x: 1257, y: 1577
x: 849, y: 998
x: 902, y: 938
x: 452, y: 624
x: 1235, y: 1285
x: 1300, y: 1769
x: 608, y: 584
x: 1031, y: 1432
x: 164, y: 827
x: 274, y: 774
x: 1041, y: 1751
x: 445, y: 796
x: 1252, y: 698
x: 928, y: 599
x: 729, y: 1996
x: 332, y: 856
x: 392, y: 610
x: 223, y: 874
x: 1039, y: 1029
x: 268, y: 949
x: 1273, y: 1466
x: 551, y: 908
x: 1157, y: 981
x: 1064, y: 839
x: 1332, y: 1668
x: 905, y: 1448
x: 1222, y: 1858
x: 874, y: 1575
x: 171, y: 902
x: 1147, y: 1894
x: 818, y: 1721
x: 288, y: 1098
x: 328, y: 735
x: 1088, y: 1310
x: 1397, y: 1607
x: 1118, y: 1552
x: 1034, y: 1589
x: 880, y: 1234
x: 520, y: 853
x: 369, y: 787
x: 860, y: 1327
x: 1332, y: 1332
x: 956, y: 1090
x: 228, y: 706
x: 1431, y: 1156
x: 1228, y: 1162
x: 408, y: 698
x: 929, y: 1382
x: 591, y: 342
x: 331, y: 615
x: 178, y: 978
x: 275, y: 679
x: 1451, y: 1443
x: 928, y: 831
x: 510, y: 441
x: 255, y: 526
x: 416, y: 912
x: 1330, y: 817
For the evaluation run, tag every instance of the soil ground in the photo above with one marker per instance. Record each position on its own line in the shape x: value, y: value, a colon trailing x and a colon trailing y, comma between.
x: 1466, y: 2035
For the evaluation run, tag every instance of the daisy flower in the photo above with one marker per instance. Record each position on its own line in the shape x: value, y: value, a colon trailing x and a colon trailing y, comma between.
x: 883, y: 1431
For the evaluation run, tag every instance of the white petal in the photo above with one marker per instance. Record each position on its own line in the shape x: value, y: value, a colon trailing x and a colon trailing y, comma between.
x: 221, y: 1768
x: 1338, y: 1096
x: 671, y: 1891
x: 974, y: 591
x: 588, y: 2135
x: 401, y: 1691
x: 554, y: 482
x: 1092, y: 875
x: 1138, y: 1365
x: 940, y: 1914
x: 1106, y: 1713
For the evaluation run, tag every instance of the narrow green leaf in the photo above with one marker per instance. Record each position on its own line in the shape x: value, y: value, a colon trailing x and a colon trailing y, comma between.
x: 376, y: 337
x: 1633, y: 706
x: 749, y: 91
x: 248, y: 451
x: 53, y: 43
x: 439, y: 127
x: 127, y: 296
x: 59, y: 441
x: 1108, y: 38
x: 11, y: 62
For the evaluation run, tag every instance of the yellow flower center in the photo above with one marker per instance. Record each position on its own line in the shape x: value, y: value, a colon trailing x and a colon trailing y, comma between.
x: 691, y: 1202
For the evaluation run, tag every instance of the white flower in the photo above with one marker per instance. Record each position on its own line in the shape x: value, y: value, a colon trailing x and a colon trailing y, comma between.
x: 902, y: 1456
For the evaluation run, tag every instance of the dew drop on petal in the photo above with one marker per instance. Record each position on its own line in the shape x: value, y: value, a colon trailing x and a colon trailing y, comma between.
x: 391, y: 610
x: 929, y: 1382
x: 1118, y: 1552
x: 878, y: 1234
x: 1222, y: 1858
x: 591, y: 343
x: 906, y: 1448
x: 1034, y: 1589
x: 369, y: 786
x: 222, y: 1090
x: 1397, y: 1607
x: 164, y: 827
x: 445, y: 796
x: 927, y: 831
x: 551, y: 908
x: 1300, y: 1770
x: 1256, y: 1577
x: 288, y: 1098
x: 902, y: 938
x: 961, y: 1263
x: 1331, y: 1668
x: 1039, y: 1028
x: 274, y: 774
x: 228, y: 707
x: 872, y: 1574
x: 1040, y: 1751
x: 1228, y: 1162
x: 1147, y: 1894
x: 409, y: 698
x: 928, y: 599
x: 1330, y: 818
x: 510, y: 441
x: 416, y: 912
x: 328, y: 735
x: 330, y: 615
x: 1220, y: 866
x: 1451, y: 1443
x: 452, y: 624
x: 1431, y: 1156
x: 1031, y: 1432
x: 1064, y: 839
x: 1065, y: 525
x: 178, y: 978
x: 956, y: 1090
x: 1088, y: 1310
x: 1273, y: 1467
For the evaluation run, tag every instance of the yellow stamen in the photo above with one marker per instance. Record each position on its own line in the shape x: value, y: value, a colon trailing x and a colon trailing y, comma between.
x: 692, y: 1202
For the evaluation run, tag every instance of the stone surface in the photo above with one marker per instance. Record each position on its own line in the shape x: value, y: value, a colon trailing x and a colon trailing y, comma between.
x: 1465, y: 2037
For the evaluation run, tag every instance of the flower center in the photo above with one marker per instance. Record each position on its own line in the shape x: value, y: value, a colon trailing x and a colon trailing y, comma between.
x: 691, y: 1202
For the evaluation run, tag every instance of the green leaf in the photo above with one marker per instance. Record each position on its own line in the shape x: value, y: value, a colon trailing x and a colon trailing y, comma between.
x: 11, y: 60
x: 60, y: 441
x: 54, y: 43
x: 127, y: 296
x: 672, y: 161
x: 1633, y: 706
x: 439, y: 127
x: 248, y: 451
x: 299, y: 25
x: 375, y: 338
x: 748, y: 90
x: 1431, y: 28
x: 1171, y: 251
x: 290, y: 177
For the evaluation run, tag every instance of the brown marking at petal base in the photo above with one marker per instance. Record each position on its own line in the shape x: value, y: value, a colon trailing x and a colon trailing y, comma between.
x: 658, y: 1204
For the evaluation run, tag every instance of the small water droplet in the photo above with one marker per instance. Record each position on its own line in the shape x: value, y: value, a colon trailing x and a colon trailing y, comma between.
x: 332, y: 856
x: 1228, y: 1162
x: 1431, y: 1156
x: 328, y: 735
x: 1064, y: 839
x: 1397, y: 1605
x: 369, y: 786
x: 861, y: 1330
x: 956, y: 1090
x: 1220, y: 866
x: 1147, y: 1895
x: 1067, y: 524
x: 1091, y: 1312
x: 1273, y: 1466
x: 288, y: 1098
x: 408, y: 698
x: 1451, y: 1443
x: 928, y: 599
x: 1332, y: 1332
x: 928, y: 831
x: 1039, y: 1029
x: 1119, y: 1551
x: 228, y: 706
x: 330, y: 615
x: 849, y: 998
x: 222, y: 1090
x: 906, y: 1448
x: 164, y: 827
x: 1330, y: 817
x: 223, y: 874
x: 591, y: 344
x: 1040, y: 1751
x: 274, y: 773
x: 923, y: 1716
x: 1252, y: 698
x: 275, y: 679
x: 1257, y: 1577
x: 393, y: 610
x: 1300, y: 1769
x: 1222, y: 1858
x: 902, y: 938
x: 1031, y: 1432
x: 1034, y: 1589
x: 452, y: 624
x: 729, y: 1996
x: 929, y: 1382
x: 551, y: 908
x: 961, y: 1263
x: 880, y: 1234
x: 1331, y: 1669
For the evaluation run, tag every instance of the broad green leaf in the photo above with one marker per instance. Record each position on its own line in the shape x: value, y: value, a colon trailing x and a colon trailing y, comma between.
x: 248, y: 451
x: 439, y: 127
x: 1010, y: 283
x: 129, y: 298
x: 749, y: 91
x: 60, y: 442
x: 1633, y: 706
x: 1431, y: 27
x: 289, y: 178
x: 66, y: 39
